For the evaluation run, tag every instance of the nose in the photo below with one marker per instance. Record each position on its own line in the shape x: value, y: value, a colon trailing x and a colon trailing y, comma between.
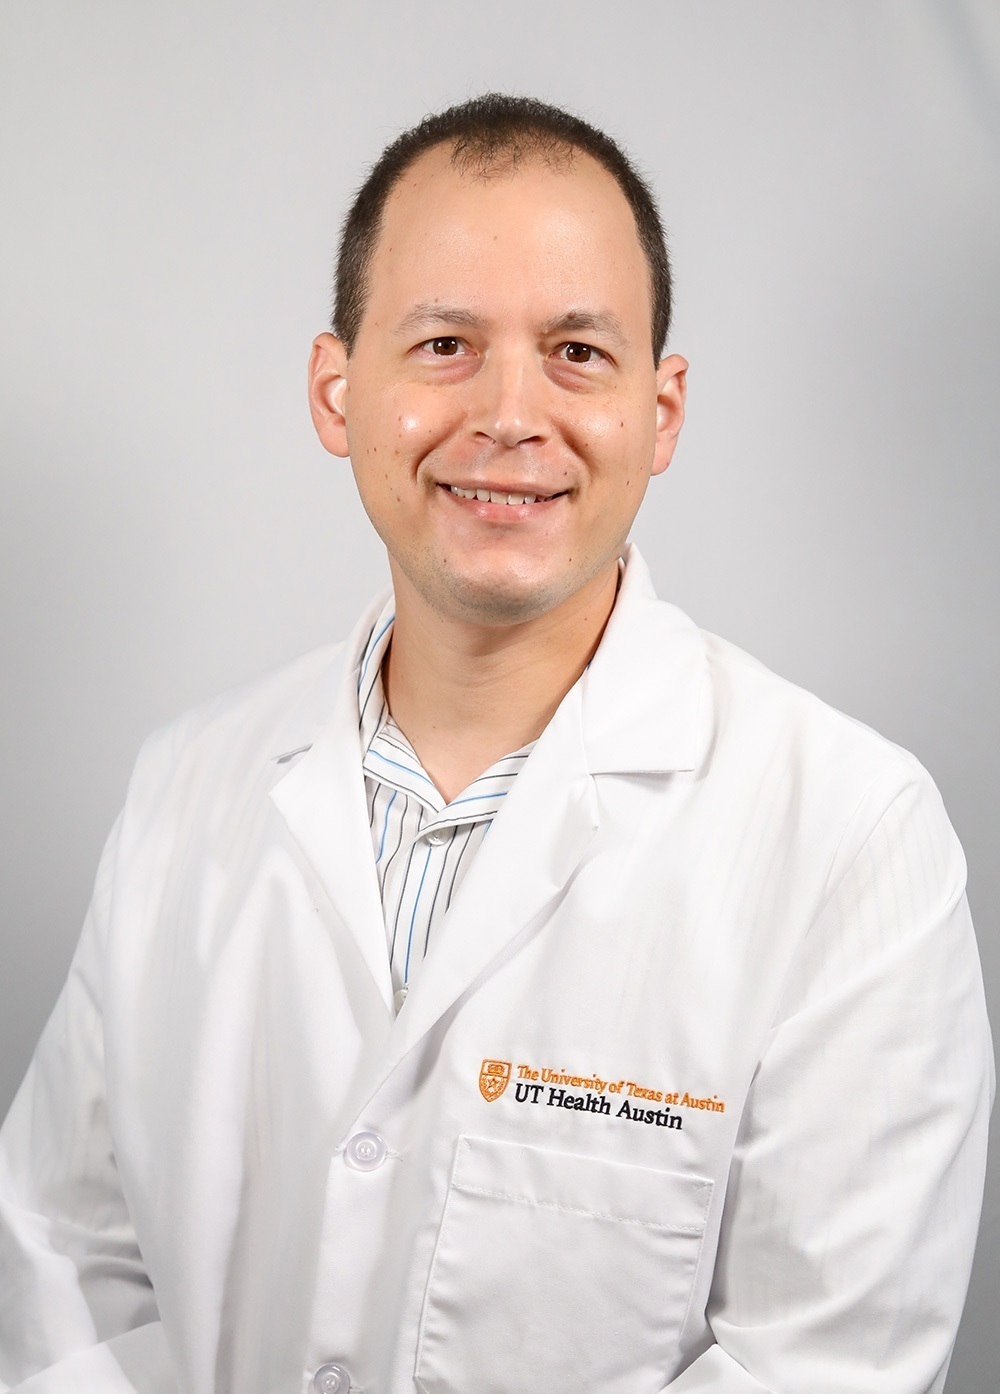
x: 510, y: 401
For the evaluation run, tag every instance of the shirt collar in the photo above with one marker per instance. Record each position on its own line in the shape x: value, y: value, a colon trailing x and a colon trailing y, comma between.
x: 371, y: 695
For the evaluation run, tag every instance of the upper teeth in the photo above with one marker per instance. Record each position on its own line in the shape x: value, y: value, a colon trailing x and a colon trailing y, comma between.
x: 491, y: 496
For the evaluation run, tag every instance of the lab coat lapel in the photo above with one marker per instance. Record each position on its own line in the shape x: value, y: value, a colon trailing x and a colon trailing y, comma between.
x: 322, y: 800
x: 527, y: 859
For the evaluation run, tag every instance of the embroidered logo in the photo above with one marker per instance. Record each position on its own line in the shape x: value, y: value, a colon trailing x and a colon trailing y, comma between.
x: 622, y: 1098
x: 493, y: 1079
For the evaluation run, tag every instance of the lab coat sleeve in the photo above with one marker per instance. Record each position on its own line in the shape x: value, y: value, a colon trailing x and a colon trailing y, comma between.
x: 855, y: 1188
x: 77, y: 1309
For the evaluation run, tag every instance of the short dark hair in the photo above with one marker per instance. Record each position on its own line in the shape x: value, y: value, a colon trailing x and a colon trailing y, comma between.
x: 488, y: 133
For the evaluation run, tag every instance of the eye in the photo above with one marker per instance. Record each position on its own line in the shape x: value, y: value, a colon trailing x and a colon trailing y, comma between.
x: 580, y: 353
x: 445, y: 347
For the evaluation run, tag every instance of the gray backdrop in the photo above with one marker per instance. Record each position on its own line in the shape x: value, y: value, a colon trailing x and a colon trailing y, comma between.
x: 172, y: 178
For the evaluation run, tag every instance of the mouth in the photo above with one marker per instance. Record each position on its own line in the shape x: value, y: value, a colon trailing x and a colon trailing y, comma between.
x: 512, y: 498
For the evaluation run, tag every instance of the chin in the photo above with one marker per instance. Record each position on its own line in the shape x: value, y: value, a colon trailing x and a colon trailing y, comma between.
x: 498, y: 600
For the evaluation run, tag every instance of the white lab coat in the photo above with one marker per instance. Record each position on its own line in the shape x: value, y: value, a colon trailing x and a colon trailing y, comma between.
x: 705, y: 885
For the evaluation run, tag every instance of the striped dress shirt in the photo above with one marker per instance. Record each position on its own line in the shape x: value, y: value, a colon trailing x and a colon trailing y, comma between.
x: 423, y: 845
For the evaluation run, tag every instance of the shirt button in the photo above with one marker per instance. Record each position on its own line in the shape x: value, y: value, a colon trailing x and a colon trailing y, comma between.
x: 438, y: 836
x: 331, y: 1379
x: 364, y: 1152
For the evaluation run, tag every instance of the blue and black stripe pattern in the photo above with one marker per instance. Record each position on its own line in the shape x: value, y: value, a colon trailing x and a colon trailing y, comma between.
x: 423, y: 846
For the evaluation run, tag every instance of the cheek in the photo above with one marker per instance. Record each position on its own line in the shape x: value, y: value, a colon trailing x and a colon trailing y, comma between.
x: 415, y: 420
x: 389, y: 425
x: 619, y: 456
x: 615, y: 425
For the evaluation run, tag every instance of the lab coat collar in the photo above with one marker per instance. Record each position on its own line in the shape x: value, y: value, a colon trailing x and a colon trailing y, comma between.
x: 646, y: 698
x: 646, y: 701
x: 641, y: 707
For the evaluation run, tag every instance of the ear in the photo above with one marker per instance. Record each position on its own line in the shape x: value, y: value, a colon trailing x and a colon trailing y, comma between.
x: 671, y: 390
x: 328, y: 392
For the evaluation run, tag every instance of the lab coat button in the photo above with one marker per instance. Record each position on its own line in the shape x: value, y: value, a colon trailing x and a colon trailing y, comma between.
x: 331, y: 1379
x: 364, y: 1151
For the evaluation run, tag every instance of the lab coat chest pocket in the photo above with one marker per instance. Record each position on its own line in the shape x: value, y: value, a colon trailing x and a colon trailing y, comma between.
x: 558, y: 1272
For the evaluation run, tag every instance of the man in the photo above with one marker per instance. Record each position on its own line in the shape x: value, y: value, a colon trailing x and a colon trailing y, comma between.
x: 533, y: 991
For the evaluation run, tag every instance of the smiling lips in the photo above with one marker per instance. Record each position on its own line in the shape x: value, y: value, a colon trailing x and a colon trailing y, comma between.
x: 498, y: 496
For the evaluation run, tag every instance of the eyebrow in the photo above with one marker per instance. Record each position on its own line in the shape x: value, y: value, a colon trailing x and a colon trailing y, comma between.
x: 429, y: 313
x: 601, y: 322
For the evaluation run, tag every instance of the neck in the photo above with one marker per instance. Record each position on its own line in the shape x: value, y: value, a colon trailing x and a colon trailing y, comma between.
x: 465, y: 695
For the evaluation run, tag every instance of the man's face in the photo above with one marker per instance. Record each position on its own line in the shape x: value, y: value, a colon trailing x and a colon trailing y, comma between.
x: 501, y: 406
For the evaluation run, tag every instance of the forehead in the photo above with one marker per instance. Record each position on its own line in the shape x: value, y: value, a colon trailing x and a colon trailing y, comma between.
x: 534, y: 233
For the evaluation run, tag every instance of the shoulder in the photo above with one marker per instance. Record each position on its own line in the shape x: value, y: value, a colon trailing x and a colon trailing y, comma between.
x: 755, y: 703
x: 830, y: 774
x: 266, y: 718
x: 704, y: 705
x: 304, y: 689
x: 230, y: 739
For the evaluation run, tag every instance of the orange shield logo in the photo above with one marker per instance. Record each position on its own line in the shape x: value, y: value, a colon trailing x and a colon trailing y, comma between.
x: 493, y: 1079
